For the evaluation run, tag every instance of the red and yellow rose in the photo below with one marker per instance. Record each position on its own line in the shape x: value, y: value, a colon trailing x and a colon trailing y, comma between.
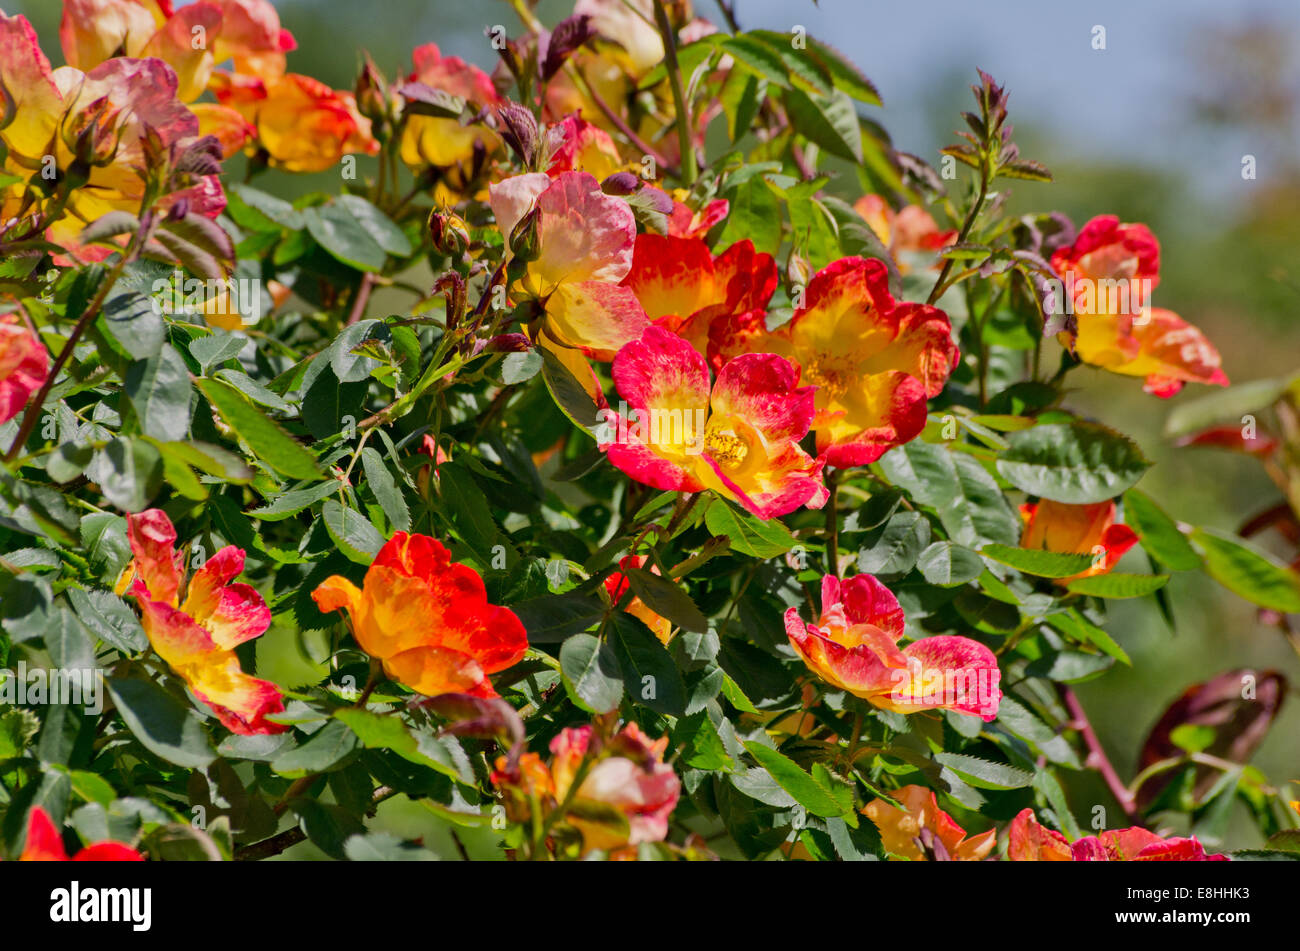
x: 197, y: 636
x: 427, y: 619
x: 853, y: 646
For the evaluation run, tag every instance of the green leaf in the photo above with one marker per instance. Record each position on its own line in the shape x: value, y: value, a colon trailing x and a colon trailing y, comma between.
x: 131, y: 323
x: 468, y: 508
x: 328, y: 748
x: 748, y: 534
x: 665, y: 598
x: 386, y: 490
x: 356, y: 232
x: 758, y: 57
x: 949, y: 565
x: 258, y: 211
x: 165, y: 726
x: 843, y: 72
x: 1116, y: 585
x: 754, y: 215
x: 828, y: 121
x: 17, y: 728
x: 128, y: 471
x: 894, y: 549
x: 1079, y: 462
x: 1158, y: 533
x: 292, y: 502
x: 553, y: 618
x: 591, y: 674
x: 983, y: 773
x: 568, y: 392
x: 1075, y: 626
x: 159, y: 390
x: 1248, y: 572
x: 352, y: 532
x: 818, y: 799
x: 1038, y: 562
x: 649, y: 673
x: 1229, y: 404
x: 108, y: 617
x: 216, y: 348
x: 267, y: 439
x: 971, y: 507
x: 387, y: 732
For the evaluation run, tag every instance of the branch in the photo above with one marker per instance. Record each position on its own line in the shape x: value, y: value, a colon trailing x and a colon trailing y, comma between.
x: 1097, y: 757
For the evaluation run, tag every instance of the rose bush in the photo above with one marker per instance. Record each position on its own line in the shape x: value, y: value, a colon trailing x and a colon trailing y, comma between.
x: 623, y: 460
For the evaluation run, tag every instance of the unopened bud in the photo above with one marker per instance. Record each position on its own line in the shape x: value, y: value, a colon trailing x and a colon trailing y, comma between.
x: 524, y: 239
x: 448, y: 233
x: 797, y: 270
x: 371, y: 94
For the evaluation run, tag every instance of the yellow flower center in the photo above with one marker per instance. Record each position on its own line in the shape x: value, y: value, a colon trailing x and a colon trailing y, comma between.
x: 828, y: 375
x: 727, y: 448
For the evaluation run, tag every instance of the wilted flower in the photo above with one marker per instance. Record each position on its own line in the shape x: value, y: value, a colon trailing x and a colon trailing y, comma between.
x: 44, y: 843
x: 625, y: 791
x: 739, y: 438
x: 1077, y: 530
x: 198, y: 638
x: 1109, y: 272
x: 921, y: 831
x: 874, y: 361
x: 854, y: 646
x: 427, y: 618
x: 584, y: 241
x: 24, y: 366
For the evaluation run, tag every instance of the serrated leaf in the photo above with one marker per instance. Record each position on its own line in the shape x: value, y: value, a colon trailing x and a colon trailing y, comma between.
x: 1248, y: 572
x: 266, y: 438
x: 591, y: 674
x: 748, y: 535
x: 1117, y: 585
x: 352, y: 532
x: 1038, y: 562
x: 985, y: 774
x: 1079, y: 462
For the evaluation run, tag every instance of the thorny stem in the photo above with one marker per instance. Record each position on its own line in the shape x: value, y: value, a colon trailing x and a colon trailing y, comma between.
x: 661, y: 160
x: 361, y: 299
x: 1097, y: 757
x: 92, y: 310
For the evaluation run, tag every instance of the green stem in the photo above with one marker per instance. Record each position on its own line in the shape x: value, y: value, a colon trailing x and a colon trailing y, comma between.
x: 966, y: 226
x: 688, y: 168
